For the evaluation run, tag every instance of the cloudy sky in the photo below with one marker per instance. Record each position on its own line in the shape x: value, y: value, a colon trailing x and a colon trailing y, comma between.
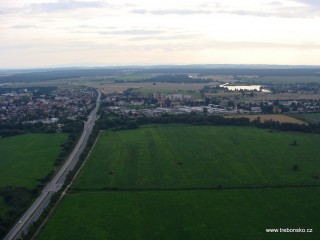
x: 143, y: 32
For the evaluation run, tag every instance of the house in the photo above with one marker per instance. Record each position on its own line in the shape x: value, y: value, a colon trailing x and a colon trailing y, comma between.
x: 276, y: 110
x: 256, y: 110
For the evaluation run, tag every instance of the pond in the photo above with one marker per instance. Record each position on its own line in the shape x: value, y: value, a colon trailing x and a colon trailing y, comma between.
x: 244, y: 87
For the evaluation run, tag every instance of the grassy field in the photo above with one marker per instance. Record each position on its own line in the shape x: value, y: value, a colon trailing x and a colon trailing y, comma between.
x: 217, y: 214
x: 267, y: 117
x: 282, y: 79
x: 151, y: 183
x: 130, y: 78
x: 193, y: 93
x: 283, y: 96
x: 25, y: 158
x: 170, y: 157
x: 120, y: 87
x: 307, y: 117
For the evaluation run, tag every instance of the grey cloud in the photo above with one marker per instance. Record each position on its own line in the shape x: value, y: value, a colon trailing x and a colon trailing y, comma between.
x: 310, y: 2
x: 171, y: 12
x: 200, y: 45
x: 247, y: 13
x: 210, y: 5
x: 83, y: 26
x: 293, y: 12
x: 5, y: 11
x: 180, y: 12
x: 237, y: 45
x: 275, y: 3
x: 313, y: 5
x: 192, y: 12
x: 23, y: 26
x: 66, y: 5
x: 54, y: 47
x: 168, y: 37
x: 276, y: 9
x: 139, y: 11
x: 131, y: 32
x: 139, y: 32
x: 17, y: 47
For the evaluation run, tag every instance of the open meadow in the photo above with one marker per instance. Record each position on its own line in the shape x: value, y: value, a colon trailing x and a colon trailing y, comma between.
x: 307, y: 117
x: 281, y: 79
x: 26, y: 159
x: 217, y: 214
x: 199, y: 157
x: 194, y: 93
x: 284, y: 96
x: 267, y: 117
x: 193, y: 182
x: 108, y: 88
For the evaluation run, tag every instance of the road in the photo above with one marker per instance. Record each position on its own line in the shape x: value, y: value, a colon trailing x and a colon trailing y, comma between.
x: 34, y: 212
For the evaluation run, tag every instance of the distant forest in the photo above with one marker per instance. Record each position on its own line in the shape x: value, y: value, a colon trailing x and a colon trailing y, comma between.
x: 47, y: 75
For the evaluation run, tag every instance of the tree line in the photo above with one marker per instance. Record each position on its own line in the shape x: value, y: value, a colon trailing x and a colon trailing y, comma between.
x: 122, y: 122
x: 11, y: 129
x: 17, y: 199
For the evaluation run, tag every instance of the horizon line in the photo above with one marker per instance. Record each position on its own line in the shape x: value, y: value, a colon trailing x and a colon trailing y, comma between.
x: 156, y: 65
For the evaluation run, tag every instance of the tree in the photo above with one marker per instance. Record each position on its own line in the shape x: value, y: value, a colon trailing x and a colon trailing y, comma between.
x: 205, y: 111
x: 230, y: 104
x: 132, y: 125
x: 294, y: 143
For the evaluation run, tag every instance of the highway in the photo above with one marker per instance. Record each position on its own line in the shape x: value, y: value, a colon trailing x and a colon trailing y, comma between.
x: 34, y: 212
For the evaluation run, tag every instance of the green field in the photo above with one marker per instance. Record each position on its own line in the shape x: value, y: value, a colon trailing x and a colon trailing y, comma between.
x: 26, y: 158
x: 130, y: 78
x: 190, y: 182
x: 282, y: 79
x: 193, y: 93
x: 225, y: 214
x: 200, y: 156
x: 308, y: 117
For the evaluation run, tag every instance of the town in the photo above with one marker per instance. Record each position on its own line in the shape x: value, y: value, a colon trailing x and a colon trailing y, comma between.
x: 46, y: 105
x: 133, y: 103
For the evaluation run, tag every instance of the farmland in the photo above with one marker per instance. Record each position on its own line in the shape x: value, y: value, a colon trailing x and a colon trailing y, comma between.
x: 169, y: 157
x: 192, y: 182
x: 307, y: 117
x: 26, y: 158
x: 281, y: 79
x: 148, y: 86
x: 285, y: 96
x: 194, y: 93
x: 267, y: 117
x: 236, y: 214
x: 24, y: 161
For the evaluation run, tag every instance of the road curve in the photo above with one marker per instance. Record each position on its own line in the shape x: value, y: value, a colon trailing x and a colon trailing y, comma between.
x: 34, y: 212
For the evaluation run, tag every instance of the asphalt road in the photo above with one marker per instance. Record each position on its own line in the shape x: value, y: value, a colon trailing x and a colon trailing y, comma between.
x: 34, y: 212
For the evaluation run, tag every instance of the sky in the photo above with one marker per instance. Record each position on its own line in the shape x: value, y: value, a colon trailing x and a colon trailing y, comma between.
x: 48, y: 33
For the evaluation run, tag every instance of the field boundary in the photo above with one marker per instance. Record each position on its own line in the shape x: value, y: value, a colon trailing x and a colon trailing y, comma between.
x: 282, y: 118
x: 84, y: 162
x: 219, y: 187
x: 63, y: 193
